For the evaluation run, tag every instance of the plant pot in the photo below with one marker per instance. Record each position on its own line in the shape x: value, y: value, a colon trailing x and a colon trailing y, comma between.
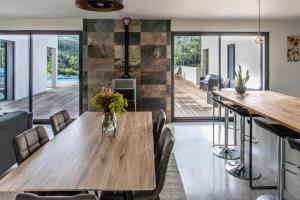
x: 241, y: 90
x: 109, y: 124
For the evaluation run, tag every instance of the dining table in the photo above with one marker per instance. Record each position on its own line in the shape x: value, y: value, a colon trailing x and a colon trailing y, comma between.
x: 280, y: 108
x: 80, y: 159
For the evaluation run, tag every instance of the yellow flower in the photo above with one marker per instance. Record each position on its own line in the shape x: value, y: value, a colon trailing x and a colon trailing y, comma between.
x: 293, y: 54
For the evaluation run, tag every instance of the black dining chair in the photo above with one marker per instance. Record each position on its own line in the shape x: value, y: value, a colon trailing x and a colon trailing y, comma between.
x: 29, y: 142
x: 26, y: 144
x: 158, y: 126
x: 59, y: 121
x: 162, y: 158
x: 28, y: 196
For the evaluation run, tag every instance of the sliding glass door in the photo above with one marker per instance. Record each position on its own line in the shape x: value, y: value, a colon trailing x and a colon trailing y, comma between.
x: 204, y: 62
x: 192, y: 65
x: 40, y: 72
x: 55, y: 75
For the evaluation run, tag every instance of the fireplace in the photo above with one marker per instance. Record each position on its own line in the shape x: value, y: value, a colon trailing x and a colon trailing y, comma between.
x: 127, y: 87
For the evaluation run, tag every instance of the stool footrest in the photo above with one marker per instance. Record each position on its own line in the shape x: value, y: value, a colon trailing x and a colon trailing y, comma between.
x: 254, y: 139
x: 291, y: 171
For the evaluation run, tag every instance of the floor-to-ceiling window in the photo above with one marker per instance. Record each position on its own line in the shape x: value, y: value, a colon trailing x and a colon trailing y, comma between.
x: 40, y: 73
x: 55, y: 75
x: 203, y: 62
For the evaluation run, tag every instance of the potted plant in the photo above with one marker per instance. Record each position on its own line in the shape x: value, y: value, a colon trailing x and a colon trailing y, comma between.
x: 241, y: 81
x: 109, y: 103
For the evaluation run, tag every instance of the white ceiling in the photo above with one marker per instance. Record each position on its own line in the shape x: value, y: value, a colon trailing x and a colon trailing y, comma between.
x: 163, y: 9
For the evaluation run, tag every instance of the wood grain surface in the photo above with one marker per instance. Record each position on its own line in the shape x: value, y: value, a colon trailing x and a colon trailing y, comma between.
x: 281, y: 108
x: 79, y: 159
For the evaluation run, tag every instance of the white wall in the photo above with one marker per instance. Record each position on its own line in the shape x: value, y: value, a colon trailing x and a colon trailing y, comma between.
x: 211, y: 43
x: 21, y: 59
x: 21, y: 70
x: 284, y: 76
x: 191, y: 74
x: 247, y: 54
x: 40, y: 44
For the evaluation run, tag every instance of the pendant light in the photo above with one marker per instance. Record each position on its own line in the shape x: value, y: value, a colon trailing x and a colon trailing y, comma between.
x: 100, y: 5
x: 259, y: 38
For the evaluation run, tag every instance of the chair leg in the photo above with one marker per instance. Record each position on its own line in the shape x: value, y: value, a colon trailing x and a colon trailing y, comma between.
x: 97, y: 194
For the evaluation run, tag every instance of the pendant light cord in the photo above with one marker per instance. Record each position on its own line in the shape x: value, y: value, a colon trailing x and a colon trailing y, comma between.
x: 259, y: 16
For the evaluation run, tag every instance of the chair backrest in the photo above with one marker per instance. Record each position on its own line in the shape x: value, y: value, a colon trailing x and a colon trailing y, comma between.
x: 294, y: 144
x: 59, y: 121
x: 158, y: 127
x: 27, y: 196
x: 29, y: 142
x: 162, y: 158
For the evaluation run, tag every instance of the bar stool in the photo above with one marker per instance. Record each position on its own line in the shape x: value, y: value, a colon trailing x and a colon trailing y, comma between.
x: 282, y: 133
x: 224, y: 151
x: 239, y: 168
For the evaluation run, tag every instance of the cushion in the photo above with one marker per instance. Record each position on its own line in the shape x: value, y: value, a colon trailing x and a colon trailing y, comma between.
x: 207, y: 77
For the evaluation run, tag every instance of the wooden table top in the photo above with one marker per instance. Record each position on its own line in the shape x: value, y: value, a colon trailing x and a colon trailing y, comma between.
x: 281, y: 108
x: 78, y: 159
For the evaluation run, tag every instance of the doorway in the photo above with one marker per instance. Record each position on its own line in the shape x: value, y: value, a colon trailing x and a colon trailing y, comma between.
x: 6, y: 70
x: 205, y: 62
x: 3, y: 74
x: 231, y: 64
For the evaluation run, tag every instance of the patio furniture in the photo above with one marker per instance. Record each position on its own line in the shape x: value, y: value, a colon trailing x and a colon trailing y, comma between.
x: 11, y: 125
x: 178, y: 74
x: 209, y: 82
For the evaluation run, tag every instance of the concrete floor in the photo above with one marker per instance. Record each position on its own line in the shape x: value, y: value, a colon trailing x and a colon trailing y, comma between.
x: 204, y: 176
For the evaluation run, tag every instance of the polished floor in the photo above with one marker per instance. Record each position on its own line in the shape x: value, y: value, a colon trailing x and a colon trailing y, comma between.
x: 47, y: 103
x: 204, y: 176
x: 190, y: 100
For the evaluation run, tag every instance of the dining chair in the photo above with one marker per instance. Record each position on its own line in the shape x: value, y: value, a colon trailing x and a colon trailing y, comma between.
x: 161, y: 166
x: 158, y: 126
x: 59, y: 121
x: 29, y: 142
x: 28, y: 196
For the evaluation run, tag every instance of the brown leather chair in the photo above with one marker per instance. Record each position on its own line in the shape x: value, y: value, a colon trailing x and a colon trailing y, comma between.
x: 28, y: 196
x: 59, y: 121
x: 162, y: 158
x: 158, y: 126
x: 29, y: 142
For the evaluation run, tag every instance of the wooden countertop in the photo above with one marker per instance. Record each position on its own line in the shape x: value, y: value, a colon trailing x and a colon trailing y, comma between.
x: 281, y: 108
x: 79, y: 159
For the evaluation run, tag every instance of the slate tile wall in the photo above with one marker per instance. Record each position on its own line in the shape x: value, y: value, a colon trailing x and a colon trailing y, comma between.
x: 149, y: 60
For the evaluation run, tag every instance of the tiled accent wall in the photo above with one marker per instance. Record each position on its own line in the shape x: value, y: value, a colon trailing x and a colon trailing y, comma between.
x: 149, y: 59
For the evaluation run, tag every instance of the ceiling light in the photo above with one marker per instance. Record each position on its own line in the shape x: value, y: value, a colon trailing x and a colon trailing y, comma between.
x: 259, y: 39
x: 100, y: 5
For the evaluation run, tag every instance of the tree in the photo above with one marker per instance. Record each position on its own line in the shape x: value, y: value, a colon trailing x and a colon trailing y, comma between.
x: 188, y: 50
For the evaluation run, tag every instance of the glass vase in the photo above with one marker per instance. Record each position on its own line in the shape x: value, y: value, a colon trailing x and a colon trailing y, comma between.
x: 109, y: 124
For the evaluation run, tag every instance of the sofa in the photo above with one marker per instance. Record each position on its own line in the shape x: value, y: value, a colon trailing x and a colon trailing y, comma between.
x: 11, y: 125
x: 209, y: 82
